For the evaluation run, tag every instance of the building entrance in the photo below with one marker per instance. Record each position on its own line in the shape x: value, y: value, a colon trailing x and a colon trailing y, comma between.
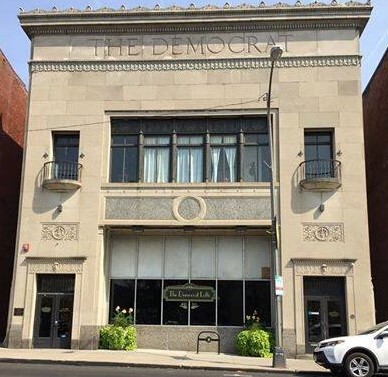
x: 325, y: 314
x: 54, y: 311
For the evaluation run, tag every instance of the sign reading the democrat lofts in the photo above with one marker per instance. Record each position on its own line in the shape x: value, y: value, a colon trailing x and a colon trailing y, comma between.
x: 189, y: 292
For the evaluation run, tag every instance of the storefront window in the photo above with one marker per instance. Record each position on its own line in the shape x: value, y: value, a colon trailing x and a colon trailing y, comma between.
x: 230, y: 303
x: 122, y: 294
x: 175, y: 312
x: 257, y: 297
x: 203, y: 313
x: 148, y: 296
x: 191, y: 280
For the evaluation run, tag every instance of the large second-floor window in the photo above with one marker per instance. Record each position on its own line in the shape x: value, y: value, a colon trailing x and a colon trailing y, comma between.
x: 189, y: 150
x: 156, y: 158
x: 189, y: 165
x: 124, y: 158
x: 223, y: 149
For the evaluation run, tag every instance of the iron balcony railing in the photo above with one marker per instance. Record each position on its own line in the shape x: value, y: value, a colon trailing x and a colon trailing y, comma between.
x: 319, y: 169
x: 62, y: 170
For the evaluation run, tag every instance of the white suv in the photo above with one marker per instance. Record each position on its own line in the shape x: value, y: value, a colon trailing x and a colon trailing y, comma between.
x: 360, y: 355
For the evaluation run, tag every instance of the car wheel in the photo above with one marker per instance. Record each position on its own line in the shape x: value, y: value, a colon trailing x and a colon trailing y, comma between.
x: 359, y: 365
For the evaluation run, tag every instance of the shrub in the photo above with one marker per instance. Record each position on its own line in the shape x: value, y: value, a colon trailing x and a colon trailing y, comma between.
x: 254, y: 342
x: 121, y: 335
x: 118, y: 338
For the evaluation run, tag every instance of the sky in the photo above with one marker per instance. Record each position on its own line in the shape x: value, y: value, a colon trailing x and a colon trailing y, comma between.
x: 16, y: 45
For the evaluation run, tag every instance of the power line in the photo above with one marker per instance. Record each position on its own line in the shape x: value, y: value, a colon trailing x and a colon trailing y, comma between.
x: 159, y: 113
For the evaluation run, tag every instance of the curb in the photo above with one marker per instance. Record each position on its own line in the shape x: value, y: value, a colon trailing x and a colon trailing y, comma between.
x: 164, y: 366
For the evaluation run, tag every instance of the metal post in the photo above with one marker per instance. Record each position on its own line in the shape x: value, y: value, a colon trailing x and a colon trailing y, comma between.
x: 279, y: 357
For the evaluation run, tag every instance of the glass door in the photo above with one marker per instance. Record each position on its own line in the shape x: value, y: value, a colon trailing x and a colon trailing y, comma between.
x: 54, y: 310
x: 53, y: 321
x: 324, y: 318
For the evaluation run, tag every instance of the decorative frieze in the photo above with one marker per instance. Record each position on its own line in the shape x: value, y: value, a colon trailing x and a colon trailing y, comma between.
x: 60, y: 232
x: 55, y: 265
x: 192, y: 65
x: 319, y: 267
x: 313, y: 232
x: 187, y: 208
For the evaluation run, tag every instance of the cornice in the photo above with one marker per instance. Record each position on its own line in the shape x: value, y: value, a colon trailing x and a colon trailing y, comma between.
x: 316, y: 15
x: 190, y: 65
x: 192, y: 9
x: 204, y: 27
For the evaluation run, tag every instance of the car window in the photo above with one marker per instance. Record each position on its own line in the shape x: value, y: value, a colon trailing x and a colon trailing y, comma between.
x: 374, y: 328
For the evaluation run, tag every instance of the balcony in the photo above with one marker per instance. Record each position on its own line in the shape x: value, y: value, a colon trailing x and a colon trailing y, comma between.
x: 62, y: 176
x: 320, y: 175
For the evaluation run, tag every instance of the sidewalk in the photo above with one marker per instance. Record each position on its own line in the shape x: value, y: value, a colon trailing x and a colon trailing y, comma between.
x: 156, y: 359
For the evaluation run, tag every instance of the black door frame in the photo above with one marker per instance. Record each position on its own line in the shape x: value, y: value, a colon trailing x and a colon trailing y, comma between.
x: 324, y: 320
x: 52, y: 341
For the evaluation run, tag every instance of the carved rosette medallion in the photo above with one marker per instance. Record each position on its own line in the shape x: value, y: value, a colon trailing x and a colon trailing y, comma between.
x: 323, y: 232
x: 189, y: 208
x: 60, y: 232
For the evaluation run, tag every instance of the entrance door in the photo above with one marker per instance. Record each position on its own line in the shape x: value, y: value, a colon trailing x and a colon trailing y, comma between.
x: 325, y: 314
x: 54, y: 320
x: 54, y: 311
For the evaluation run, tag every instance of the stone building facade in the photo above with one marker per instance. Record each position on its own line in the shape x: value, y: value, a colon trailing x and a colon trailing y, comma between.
x: 13, y: 110
x: 375, y: 103
x: 147, y: 175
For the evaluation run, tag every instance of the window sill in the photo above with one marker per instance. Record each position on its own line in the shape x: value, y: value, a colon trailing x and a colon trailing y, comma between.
x: 186, y: 186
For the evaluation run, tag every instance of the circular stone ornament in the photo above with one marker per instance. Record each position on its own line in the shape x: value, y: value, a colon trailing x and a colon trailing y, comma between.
x: 189, y: 208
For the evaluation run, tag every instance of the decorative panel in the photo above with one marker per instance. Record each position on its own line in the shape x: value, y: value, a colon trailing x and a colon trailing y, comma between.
x: 319, y: 267
x: 322, y: 232
x: 55, y: 265
x: 187, y: 209
x: 60, y: 231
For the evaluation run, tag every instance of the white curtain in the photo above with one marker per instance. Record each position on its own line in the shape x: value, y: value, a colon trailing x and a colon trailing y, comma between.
x: 156, y: 159
x: 231, y: 158
x: 183, y: 165
x: 189, y: 165
x: 196, y: 165
x: 215, y: 156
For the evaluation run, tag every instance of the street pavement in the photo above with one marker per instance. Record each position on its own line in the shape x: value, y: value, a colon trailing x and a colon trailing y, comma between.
x: 157, y: 359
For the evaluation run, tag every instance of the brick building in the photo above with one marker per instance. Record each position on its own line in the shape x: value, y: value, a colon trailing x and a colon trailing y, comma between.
x: 375, y: 102
x: 13, y: 103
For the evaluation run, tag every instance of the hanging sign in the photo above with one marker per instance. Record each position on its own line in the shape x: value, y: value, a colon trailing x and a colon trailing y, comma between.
x: 189, y: 292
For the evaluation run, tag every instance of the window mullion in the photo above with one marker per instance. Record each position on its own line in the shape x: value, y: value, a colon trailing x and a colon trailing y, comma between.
x: 141, y: 157
x: 174, y: 150
x: 207, y: 163
x: 240, y: 157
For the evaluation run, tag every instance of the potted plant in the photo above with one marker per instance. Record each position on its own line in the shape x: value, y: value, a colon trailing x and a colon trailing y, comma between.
x: 121, y: 334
